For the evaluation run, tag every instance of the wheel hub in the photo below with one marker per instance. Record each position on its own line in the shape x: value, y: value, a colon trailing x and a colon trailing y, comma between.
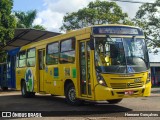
x: 23, y: 90
x: 72, y: 95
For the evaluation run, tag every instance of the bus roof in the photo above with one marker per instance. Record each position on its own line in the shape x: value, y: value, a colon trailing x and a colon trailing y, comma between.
x: 57, y: 37
x: 69, y: 35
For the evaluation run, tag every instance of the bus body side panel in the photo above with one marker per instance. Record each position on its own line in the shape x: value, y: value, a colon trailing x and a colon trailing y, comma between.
x: 29, y: 75
x: 147, y: 90
x: 65, y: 72
x: 34, y: 81
x: 48, y: 79
x: 20, y: 75
x: 56, y: 75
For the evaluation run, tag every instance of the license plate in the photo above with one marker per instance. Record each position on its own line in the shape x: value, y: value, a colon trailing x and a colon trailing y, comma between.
x: 130, y: 92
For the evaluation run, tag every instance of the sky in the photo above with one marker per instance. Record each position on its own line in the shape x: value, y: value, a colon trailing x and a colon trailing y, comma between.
x: 50, y: 12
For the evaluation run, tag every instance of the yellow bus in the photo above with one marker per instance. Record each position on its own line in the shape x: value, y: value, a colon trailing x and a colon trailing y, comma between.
x: 97, y: 63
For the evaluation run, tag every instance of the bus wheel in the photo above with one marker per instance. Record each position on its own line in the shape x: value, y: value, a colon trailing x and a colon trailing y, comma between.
x: 24, y: 91
x: 70, y: 94
x: 114, y: 101
x: 32, y: 94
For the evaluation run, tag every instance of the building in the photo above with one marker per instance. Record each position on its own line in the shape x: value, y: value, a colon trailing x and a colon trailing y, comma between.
x: 155, y: 67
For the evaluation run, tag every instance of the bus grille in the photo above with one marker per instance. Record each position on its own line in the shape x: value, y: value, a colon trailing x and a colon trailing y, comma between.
x: 126, y: 85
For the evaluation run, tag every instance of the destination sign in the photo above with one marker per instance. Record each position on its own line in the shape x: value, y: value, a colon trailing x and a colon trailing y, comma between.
x: 120, y: 30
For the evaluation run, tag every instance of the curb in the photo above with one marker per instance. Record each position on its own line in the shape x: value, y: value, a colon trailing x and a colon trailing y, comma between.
x: 155, y: 94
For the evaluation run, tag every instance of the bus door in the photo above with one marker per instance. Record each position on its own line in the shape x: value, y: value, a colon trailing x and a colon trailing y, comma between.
x: 84, y: 65
x: 41, y: 57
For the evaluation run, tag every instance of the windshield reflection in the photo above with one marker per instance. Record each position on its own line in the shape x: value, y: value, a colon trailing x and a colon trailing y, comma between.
x: 120, y: 55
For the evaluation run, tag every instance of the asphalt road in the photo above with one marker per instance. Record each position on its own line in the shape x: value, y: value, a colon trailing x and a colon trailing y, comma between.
x: 57, y: 107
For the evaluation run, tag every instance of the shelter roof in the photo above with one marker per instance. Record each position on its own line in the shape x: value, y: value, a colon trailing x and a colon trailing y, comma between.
x: 25, y: 36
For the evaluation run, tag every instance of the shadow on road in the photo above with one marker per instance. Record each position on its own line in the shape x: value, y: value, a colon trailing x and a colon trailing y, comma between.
x: 56, y: 106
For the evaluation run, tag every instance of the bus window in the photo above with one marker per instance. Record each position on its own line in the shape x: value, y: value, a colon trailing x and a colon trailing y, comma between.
x: 31, y: 53
x: 22, y: 59
x: 52, y: 54
x: 67, y: 54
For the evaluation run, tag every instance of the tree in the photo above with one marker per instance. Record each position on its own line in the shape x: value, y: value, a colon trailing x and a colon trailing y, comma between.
x: 38, y: 27
x: 98, y: 12
x: 7, y: 21
x: 148, y: 17
x: 25, y: 20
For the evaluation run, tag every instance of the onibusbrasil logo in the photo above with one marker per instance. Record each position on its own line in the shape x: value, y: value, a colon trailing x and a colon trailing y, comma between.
x: 29, y: 80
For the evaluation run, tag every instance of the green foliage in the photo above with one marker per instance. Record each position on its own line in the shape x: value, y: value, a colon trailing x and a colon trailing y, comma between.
x: 26, y: 19
x: 98, y: 12
x: 7, y: 21
x: 38, y: 27
x: 148, y: 17
x: 3, y: 57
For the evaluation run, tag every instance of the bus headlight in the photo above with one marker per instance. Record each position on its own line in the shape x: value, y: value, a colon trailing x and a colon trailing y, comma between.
x: 101, y: 80
x: 148, y: 77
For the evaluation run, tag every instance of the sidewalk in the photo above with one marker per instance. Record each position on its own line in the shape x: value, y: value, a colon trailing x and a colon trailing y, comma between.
x: 155, y: 91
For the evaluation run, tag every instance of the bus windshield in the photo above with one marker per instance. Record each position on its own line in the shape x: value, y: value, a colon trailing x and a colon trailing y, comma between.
x: 120, y: 55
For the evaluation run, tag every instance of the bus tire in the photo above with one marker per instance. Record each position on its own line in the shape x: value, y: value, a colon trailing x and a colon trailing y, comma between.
x: 70, y: 94
x: 115, y: 101
x: 32, y: 94
x: 24, y: 92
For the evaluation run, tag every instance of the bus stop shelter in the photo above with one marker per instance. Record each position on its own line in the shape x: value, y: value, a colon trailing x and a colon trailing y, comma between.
x: 21, y: 37
x: 25, y: 36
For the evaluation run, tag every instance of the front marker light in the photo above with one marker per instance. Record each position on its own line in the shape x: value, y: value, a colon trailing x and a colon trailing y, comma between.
x: 148, y: 77
x: 101, y: 80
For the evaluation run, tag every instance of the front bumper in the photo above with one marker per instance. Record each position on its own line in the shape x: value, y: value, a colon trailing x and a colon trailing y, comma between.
x: 106, y: 93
